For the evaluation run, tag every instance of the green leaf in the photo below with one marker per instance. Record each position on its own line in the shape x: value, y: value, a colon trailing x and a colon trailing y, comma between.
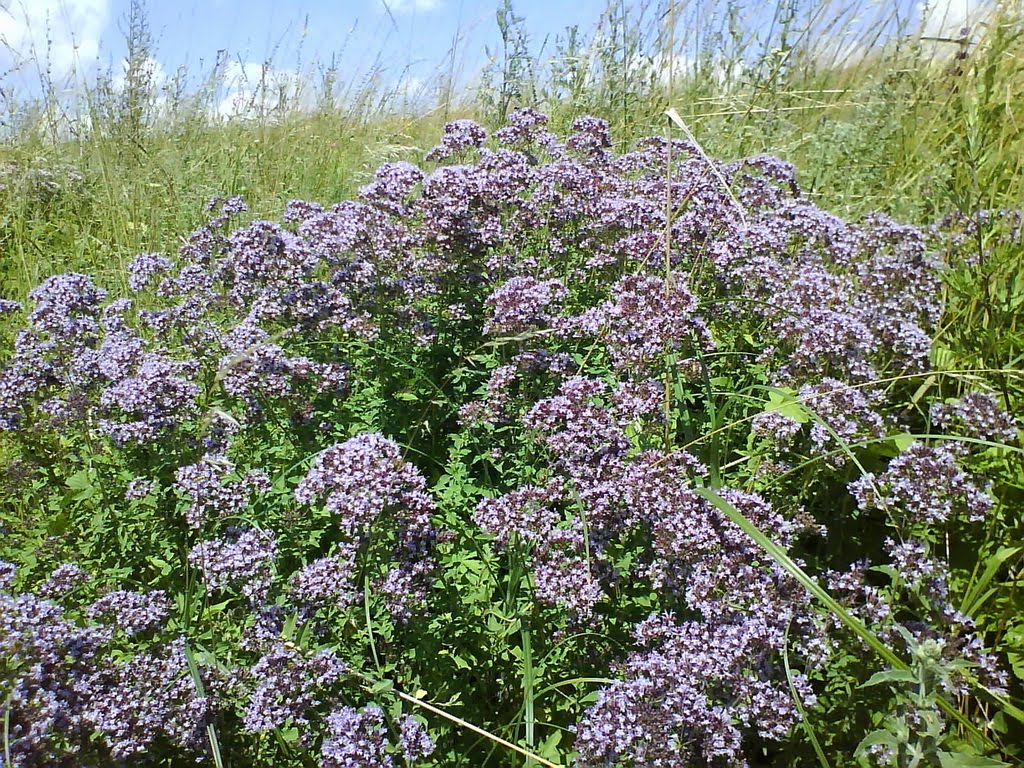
x: 979, y: 592
x: 875, y: 738
x: 968, y: 760
x: 890, y: 676
x: 902, y: 441
x: 784, y: 402
x: 82, y: 482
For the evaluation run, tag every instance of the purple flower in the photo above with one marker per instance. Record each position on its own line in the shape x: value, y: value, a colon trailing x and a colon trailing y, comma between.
x: 66, y: 307
x: 414, y: 739
x: 646, y: 319
x: 392, y: 186
x: 356, y: 739
x: 8, y: 306
x: 63, y: 579
x: 521, y: 304
x: 690, y: 695
x: 374, y: 494
x: 364, y: 478
x: 242, y: 558
x: 524, y: 127
x: 289, y: 684
x: 157, y: 398
x: 146, y: 698
x: 327, y: 581
x: 144, y: 267
x: 7, y: 573
x: 976, y: 415
x: 132, y: 612
x: 590, y: 137
x: 50, y: 663
x: 210, y: 492
x: 923, y: 485
x: 139, y: 488
x: 459, y: 136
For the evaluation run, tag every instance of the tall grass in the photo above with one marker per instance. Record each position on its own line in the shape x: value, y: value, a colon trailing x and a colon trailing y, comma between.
x: 896, y: 122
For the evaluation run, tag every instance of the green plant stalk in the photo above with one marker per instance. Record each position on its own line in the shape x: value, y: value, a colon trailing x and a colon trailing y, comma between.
x: 7, y: 729
x: 377, y: 686
x: 528, y: 693
x: 211, y: 729
x: 804, y: 722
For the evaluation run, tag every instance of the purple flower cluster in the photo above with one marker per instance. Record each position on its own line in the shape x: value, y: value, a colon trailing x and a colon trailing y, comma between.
x: 68, y: 682
x: 144, y: 268
x: 211, y: 493
x: 326, y: 581
x: 132, y: 612
x: 392, y: 186
x: 51, y: 659
x: 526, y: 127
x: 923, y: 486
x: 289, y: 684
x: 690, y: 695
x: 150, y: 697
x: 522, y: 304
x: 143, y: 407
x: 358, y: 738
x: 242, y: 559
x: 615, y: 290
x: 646, y: 319
x: 374, y: 494
x: 64, y: 579
x: 976, y: 415
x: 459, y: 136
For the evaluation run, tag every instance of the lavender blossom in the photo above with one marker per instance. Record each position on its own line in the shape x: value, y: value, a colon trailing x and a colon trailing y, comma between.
x: 414, y: 739
x: 9, y: 306
x: 289, y: 685
x: 139, y: 488
x: 690, y: 695
x: 976, y: 415
x: 923, y: 485
x: 459, y: 136
x: 144, y: 267
x: 131, y: 612
x: 327, y: 581
x: 159, y: 397
x: 210, y: 493
x: 64, y: 579
x: 242, y: 558
x: 373, y: 493
x: 521, y: 304
x: 149, y: 697
x: 357, y: 739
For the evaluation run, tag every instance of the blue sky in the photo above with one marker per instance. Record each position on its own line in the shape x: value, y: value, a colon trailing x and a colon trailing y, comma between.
x: 404, y: 40
x: 402, y: 35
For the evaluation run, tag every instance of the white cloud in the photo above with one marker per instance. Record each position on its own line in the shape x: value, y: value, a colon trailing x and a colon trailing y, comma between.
x: 251, y: 89
x: 409, y: 6
x: 945, y: 18
x: 58, y: 35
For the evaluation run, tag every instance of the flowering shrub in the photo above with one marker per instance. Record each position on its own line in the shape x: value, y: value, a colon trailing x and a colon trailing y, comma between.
x: 476, y: 448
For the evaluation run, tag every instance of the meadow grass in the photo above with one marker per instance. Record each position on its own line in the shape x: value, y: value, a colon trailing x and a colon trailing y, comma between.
x: 909, y: 127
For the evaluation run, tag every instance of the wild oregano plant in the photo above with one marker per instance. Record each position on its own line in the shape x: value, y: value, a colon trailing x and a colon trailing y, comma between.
x: 396, y: 481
